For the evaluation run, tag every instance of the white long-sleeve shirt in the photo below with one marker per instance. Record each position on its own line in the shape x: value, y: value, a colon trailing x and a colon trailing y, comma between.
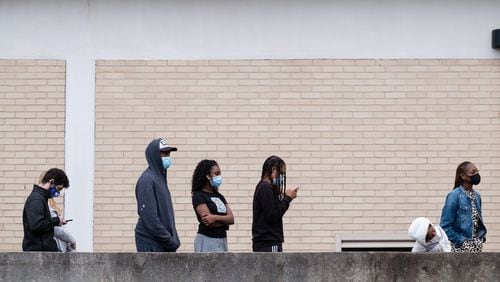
x: 63, y: 237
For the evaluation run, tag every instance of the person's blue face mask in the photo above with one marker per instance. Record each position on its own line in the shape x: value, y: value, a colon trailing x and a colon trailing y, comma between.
x: 216, y: 181
x: 167, y: 161
x: 53, y: 192
x: 275, y: 180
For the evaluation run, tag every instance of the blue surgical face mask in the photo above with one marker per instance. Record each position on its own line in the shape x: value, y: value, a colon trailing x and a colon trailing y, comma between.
x: 216, y: 181
x: 53, y: 192
x: 275, y: 180
x: 167, y: 161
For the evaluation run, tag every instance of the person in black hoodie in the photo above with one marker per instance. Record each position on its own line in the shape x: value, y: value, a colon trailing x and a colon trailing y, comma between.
x: 270, y: 202
x: 155, y: 230
x: 37, y: 223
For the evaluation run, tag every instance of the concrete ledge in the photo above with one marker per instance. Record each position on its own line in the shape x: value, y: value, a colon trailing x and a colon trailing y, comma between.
x: 249, y: 267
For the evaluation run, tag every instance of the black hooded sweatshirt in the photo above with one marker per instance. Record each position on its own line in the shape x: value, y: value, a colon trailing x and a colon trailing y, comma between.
x: 154, y: 204
x: 38, y: 224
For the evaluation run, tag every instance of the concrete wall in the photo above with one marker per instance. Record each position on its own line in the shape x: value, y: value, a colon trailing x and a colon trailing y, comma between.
x: 249, y: 267
x: 223, y: 29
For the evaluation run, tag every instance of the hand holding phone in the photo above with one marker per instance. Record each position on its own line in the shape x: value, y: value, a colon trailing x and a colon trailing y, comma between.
x: 292, y: 192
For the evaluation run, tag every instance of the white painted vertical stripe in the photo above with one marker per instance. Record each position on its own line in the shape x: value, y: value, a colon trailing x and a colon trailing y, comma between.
x: 79, y: 149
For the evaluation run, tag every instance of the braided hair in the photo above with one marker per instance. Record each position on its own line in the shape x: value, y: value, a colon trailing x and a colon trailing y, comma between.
x: 267, y: 171
x: 458, y: 176
x: 200, y: 174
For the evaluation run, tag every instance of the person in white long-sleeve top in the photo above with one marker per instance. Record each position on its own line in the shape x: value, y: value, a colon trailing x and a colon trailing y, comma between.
x: 65, y: 241
x: 428, y: 237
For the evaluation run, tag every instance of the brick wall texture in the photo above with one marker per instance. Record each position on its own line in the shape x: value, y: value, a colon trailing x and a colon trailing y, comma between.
x: 32, y: 113
x: 374, y: 143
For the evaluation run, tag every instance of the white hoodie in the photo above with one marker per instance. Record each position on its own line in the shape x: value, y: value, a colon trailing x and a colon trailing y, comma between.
x: 418, y: 231
x: 63, y: 238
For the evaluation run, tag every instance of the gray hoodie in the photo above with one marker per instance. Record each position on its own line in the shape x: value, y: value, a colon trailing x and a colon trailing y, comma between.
x: 154, y: 204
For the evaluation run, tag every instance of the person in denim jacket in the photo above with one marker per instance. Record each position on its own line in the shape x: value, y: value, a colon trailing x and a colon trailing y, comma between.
x: 461, y: 217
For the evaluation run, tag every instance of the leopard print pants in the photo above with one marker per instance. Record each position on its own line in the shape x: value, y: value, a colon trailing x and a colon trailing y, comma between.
x: 469, y: 246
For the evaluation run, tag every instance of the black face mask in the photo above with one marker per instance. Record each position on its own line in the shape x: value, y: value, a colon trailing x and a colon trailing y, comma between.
x: 475, y: 179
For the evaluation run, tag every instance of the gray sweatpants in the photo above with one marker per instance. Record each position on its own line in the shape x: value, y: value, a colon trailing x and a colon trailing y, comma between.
x: 205, y: 244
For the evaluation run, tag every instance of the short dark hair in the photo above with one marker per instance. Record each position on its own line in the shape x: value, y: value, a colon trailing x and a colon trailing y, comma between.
x: 59, y: 176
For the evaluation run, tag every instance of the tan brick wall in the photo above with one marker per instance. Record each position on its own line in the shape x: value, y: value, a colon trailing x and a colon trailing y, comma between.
x: 374, y: 143
x: 32, y: 110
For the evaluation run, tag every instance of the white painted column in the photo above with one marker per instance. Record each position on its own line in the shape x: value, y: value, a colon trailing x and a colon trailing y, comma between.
x: 79, y: 149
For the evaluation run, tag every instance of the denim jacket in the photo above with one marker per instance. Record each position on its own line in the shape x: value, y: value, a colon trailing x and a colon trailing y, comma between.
x: 456, y: 217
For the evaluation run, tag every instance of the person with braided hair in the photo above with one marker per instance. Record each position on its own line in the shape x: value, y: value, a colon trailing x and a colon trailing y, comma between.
x: 211, y: 208
x: 271, y: 200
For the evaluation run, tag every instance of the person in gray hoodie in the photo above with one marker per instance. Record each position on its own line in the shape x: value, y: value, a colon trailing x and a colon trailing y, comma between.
x: 155, y: 230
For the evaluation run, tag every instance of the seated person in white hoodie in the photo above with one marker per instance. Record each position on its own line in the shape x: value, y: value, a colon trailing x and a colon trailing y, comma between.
x: 428, y: 237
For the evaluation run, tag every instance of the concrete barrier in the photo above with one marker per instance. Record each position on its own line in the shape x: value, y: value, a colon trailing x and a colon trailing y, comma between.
x: 249, y: 267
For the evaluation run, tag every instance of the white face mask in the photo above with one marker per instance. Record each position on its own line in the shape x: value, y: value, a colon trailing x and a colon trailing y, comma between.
x: 436, y: 238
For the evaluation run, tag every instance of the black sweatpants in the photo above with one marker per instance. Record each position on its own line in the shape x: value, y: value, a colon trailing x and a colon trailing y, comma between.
x: 274, y: 248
